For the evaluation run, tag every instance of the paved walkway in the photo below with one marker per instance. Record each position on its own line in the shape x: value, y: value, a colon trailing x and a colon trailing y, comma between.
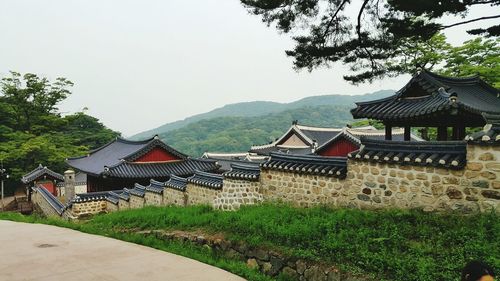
x: 43, y: 252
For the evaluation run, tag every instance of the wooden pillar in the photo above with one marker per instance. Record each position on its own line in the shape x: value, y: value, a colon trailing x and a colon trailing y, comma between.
x: 458, y: 132
x: 388, y: 131
x: 407, y: 133
x: 461, y: 132
x: 442, y: 133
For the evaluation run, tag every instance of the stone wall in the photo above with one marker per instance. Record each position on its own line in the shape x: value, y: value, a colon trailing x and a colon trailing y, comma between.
x: 43, y: 206
x: 237, y: 192
x: 474, y: 188
x: 200, y: 195
x: 89, y: 208
x: 269, y: 262
x: 136, y: 202
x: 174, y: 197
x: 152, y: 199
x: 299, y: 189
x: 111, y: 207
x: 123, y: 204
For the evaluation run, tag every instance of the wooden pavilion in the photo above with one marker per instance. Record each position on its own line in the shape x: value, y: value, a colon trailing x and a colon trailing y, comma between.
x: 432, y: 100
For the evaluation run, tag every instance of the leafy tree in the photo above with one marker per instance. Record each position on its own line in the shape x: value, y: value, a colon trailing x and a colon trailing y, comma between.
x: 32, y: 131
x: 32, y: 100
x: 381, y: 31
x: 475, y: 57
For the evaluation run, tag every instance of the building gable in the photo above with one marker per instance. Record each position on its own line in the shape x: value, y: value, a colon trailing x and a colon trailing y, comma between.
x: 340, y: 147
x: 157, y: 154
x: 293, y: 140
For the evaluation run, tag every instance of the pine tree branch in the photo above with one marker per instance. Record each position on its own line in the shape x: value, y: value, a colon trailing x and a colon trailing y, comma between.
x: 469, y: 21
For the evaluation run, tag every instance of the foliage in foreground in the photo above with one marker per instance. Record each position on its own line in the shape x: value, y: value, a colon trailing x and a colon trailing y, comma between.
x: 392, y: 244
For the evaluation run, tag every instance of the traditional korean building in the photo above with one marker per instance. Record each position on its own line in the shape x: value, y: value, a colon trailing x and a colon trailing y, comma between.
x: 45, y: 177
x: 225, y: 160
x: 303, y: 140
x: 122, y: 163
x: 432, y: 100
x: 349, y: 139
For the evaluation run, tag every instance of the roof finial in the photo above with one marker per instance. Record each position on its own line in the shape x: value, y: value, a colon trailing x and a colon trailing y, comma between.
x: 453, y: 97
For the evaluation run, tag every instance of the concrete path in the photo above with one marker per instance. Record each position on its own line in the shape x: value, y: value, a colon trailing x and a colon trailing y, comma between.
x: 43, y: 252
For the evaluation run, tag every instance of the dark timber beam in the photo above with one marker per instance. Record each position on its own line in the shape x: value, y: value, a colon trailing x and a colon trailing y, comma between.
x: 442, y: 133
x: 407, y: 133
x: 388, y: 131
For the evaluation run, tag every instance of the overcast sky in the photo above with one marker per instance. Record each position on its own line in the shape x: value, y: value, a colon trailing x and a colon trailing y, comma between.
x: 139, y: 64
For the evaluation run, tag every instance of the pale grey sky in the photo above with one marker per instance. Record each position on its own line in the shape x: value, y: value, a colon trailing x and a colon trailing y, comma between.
x: 139, y: 64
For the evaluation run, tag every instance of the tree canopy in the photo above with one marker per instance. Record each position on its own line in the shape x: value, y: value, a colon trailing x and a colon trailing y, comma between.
x: 33, y: 132
x: 377, y: 41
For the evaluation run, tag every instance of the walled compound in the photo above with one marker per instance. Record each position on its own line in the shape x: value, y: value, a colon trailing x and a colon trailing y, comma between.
x: 433, y: 176
x: 462, y: 174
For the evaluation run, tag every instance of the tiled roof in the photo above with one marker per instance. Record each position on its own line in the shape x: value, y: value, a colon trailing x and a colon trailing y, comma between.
x: 159, y: 169
x: 449, y: 154
x: 354, y: 134
x: 267, y: 150
x: 213, y: 181
x: 308, y: 164
x: 177, y: 183
x: 113, y: 197
x: 440, y: 94
x: 155, y: 186
x: 125, y: 195
x: 138, y: 190
x: 39, y: 172
x: 117, y: 151
x: 246, y: 172
x: 225, y: 155
x: 51, y: 199
x: 308, y: 134
x: 490, y: 133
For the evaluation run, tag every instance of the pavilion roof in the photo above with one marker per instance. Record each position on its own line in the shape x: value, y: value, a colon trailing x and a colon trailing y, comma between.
x: 39, y: 172
x: 428, y: 94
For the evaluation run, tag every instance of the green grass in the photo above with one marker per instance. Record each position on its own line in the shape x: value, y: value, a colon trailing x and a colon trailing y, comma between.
x: 390, y: 244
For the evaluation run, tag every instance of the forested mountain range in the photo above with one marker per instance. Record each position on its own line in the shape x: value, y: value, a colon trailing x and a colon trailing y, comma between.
x: 262, y: 108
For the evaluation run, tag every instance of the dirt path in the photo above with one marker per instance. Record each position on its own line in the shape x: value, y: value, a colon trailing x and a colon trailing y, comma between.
x: 43, y: 252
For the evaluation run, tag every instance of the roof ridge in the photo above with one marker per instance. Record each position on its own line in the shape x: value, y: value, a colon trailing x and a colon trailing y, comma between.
x: 177, y: 178
x: 244, y: 167
x: 322, y: 129
x: 206, y: 174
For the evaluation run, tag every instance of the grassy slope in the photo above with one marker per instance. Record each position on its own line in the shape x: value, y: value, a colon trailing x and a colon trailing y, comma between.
x: 393, y: 244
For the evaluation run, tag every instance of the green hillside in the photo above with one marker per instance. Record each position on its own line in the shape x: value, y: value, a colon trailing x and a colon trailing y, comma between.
x: 231, y: 134
x: 261, y: 108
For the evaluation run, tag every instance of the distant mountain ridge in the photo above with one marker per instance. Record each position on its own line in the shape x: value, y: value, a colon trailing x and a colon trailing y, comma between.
x: 261, y: 108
